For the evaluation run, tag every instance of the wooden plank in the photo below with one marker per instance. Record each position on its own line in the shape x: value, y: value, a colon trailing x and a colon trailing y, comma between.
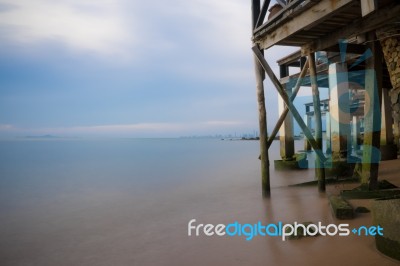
x: 255, y: 12
x: 368, y: 6
x: 293, y: 57
x: 291, y: 10
x: 358, y: 27
x: 289, y: 104
x: 263, y: 12
x: 351, y: 48
x: 313, y: 16
x: 281, y: 2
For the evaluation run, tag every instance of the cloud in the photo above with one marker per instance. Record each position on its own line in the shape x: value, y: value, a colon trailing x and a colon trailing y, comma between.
x: 138, y: 129
x: 197, y: 39
x: 159, y: 128
x: 180, y: 55
x: 93, y: 25
x: 6, y: 127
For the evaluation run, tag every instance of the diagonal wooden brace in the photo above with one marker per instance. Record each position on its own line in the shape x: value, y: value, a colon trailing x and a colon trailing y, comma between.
x: 286, y: 110
x: 262, y: 14
x: 289, y: 104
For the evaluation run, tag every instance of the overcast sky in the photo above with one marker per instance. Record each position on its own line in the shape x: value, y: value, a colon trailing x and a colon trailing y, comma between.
x: 129, y: 68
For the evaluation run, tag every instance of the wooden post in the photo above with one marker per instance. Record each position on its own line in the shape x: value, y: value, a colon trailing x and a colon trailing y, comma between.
x: 286, y: 111
x: 319, y: 165
x: 372, y: 122
x: 286, y: 99
x: 262, y: 120
x: 387, y: 120
x: 262, y: 114
x: 262, y: 13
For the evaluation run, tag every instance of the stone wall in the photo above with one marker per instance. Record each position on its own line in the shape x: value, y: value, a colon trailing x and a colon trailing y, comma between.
x: 386, y: 213
x: 389, y: 37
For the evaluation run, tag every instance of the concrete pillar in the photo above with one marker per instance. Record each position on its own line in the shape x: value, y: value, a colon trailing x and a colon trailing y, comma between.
x: 328, y: 132
x: 286, y: 132
x: 388, y: 148
x: 356, y: 132
x: 307, y: 121
x: 339, y: 110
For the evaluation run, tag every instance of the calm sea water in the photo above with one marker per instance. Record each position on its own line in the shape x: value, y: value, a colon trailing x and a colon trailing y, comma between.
x: 82, y: 202
x: 128, y: 202
x: 46, y: 170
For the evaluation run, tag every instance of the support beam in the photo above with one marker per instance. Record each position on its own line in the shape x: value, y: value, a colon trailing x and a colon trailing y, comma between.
x: 255, y: 12
x: 262, y: 120
x: 339, y: 110
x: 388, y: 148
x: 368, y: 6
x: 328, y: 132
x: 310, y: 17
x: 307, y: 122
x: 356, y: 133
x: 286, y: 99
x: 319, y: 164
x: 286, y: 110
x: 281, y: 2
x: 286, y: 139
x: 262, y: 114
x: 263, y: 12
x: 379, y: 18
x: 372, y: 124
x: 387, y: 137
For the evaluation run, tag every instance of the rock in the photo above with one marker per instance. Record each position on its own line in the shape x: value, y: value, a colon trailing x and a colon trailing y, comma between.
x: 361, y: 209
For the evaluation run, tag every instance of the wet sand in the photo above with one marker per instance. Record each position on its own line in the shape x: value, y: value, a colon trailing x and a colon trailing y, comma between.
x: 115, y: 227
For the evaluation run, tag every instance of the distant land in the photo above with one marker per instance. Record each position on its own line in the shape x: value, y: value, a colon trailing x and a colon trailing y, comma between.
x: 42, y: 137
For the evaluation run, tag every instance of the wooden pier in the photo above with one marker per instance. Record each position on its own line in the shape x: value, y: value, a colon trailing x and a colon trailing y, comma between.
x: 361, y: 41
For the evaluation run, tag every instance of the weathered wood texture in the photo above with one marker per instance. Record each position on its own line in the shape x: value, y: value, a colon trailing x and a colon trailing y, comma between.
x: 262, y: 14
x: 359, y: 26
x: 262, y: 114
x: 289, y: 104
x: 262, y: 120
x: 309, y: 18
x: 255, y: 11
x: 319, y: 164
x: 368, y: 6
